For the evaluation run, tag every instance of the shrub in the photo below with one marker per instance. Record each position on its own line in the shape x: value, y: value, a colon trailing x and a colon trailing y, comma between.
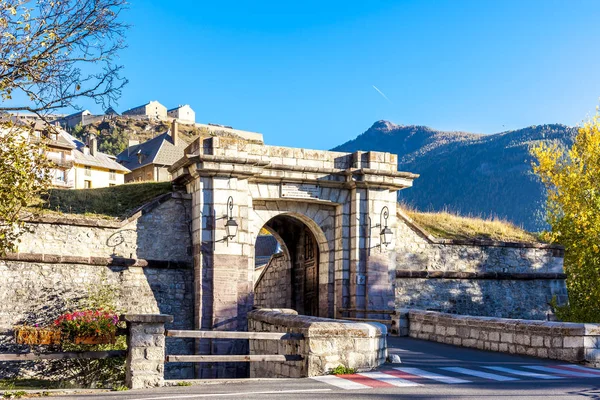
x: 342, y: 370
x: 88, y: 323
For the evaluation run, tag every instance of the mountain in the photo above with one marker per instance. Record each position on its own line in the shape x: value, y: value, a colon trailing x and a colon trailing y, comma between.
x: 471, y: 174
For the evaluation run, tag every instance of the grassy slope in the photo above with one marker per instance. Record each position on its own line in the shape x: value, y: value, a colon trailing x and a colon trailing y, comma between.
x: 451, y: 226
x: 111, y: 202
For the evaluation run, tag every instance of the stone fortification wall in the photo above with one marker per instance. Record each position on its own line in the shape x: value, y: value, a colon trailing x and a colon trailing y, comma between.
x: 487, y: 278
x: 273, y: 288
x: 63, y: 260
x: 327, y: 344
x: 158, y: 231
x: 555, y: 340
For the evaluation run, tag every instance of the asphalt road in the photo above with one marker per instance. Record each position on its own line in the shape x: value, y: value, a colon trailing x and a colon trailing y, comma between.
x: 427, y: 371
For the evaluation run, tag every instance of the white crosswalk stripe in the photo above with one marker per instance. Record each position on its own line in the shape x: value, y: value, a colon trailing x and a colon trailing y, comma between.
x: 432, y: 376
x: 583, y: 369
x: 523, y: 373
x: 561, y: 371
x: 392, y: 380
x: 480, y: 374
x: 406, y: 376
x: 340, y: 382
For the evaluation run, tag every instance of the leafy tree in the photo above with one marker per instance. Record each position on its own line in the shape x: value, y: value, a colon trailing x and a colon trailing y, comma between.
x: 24, y: 174
x: 114, y: 143
x: 572, y: 180
x: 78, y: 132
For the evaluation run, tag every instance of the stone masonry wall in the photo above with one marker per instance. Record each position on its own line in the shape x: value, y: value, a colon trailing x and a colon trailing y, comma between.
x: 38, y: 293
x: 487, y: 278
x: 162, y: 232
x: 273, y: 288
x: 327, y: 344
x: 555, y: 340
x: 146, y: 258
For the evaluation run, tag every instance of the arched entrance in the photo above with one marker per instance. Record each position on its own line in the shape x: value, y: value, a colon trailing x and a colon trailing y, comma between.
x: 290, y: 277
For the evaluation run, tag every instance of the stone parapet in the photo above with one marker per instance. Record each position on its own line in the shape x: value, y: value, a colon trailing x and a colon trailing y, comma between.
x: 145, y: 362
x: 565, y: 341
x: 327, y: 344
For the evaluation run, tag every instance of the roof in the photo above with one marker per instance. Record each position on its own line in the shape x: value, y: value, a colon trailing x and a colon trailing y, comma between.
x: 100, y: 160
x: 159, y: 150
x: 141, y: 105
x: 178, y: 107
x: 61, y: 141
x: 111, y: 111
x: 43, y: 127
x: 76, y: 114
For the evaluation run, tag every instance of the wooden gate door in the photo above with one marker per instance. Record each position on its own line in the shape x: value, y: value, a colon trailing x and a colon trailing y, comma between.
x: 311, y: 274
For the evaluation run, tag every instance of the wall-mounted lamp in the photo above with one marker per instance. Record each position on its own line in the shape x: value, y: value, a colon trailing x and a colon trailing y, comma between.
x: 386, y: 233
x: 231, y: 227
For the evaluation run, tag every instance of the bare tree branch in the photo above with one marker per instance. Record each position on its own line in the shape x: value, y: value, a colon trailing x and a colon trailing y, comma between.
x: 56, y: 53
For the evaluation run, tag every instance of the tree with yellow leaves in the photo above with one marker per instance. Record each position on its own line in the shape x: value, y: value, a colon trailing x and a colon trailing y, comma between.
x: 572, y: 180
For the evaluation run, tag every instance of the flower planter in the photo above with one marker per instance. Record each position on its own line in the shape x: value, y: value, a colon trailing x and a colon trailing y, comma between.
x: 108, y: 338
x: 37, y: 336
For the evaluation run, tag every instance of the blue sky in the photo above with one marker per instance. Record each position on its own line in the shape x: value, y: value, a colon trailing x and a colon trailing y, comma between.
x: 302, y: 72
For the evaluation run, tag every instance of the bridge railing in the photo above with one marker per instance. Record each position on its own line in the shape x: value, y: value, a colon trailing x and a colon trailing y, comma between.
x: 193, y: 334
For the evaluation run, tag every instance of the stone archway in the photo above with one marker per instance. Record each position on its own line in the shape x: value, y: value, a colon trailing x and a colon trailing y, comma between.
x: 319, y: 223
x: 333, y: 194
x: 291, y: 278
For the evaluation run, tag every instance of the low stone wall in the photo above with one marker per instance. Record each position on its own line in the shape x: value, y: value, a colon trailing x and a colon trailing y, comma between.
x: 327, y: 344
x: 555, y: 340
x: 273, y: 288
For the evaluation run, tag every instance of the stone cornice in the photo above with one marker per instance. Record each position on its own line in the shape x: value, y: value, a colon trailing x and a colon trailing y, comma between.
x: 502, y: 276
x: 98, y: 261
x: 475, y: 242
x: 257, y: 170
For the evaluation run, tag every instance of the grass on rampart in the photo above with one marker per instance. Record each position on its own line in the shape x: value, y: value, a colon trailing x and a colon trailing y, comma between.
x: 111, y: 202
x: 446, y: 225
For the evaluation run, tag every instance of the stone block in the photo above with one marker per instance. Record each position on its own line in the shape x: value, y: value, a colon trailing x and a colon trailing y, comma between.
x: 537, y: 341
x: 506, y: 337
x: 573, y: 342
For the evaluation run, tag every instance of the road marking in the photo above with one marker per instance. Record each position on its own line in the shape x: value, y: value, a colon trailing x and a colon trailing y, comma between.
x: 524, y: 373
x: 365, y: 380
x: 561, y: 371
x: 433, y: 376
x: 574, y: 367
x: 195, y: 396
x: 340, y: 382
x: 480, y: 374
x: 389, y: 379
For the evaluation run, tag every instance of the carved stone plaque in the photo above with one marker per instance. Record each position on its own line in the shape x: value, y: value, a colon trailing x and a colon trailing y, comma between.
x: 300, y: 191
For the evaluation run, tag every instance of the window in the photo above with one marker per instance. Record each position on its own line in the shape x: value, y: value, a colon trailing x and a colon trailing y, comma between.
x: 112, y: 175
x: 88, y: 171
x: 87, y: 184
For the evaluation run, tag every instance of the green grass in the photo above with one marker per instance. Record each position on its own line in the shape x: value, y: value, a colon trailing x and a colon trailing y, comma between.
x: 33, y: 384
x: 110, y: 202
x: 342, y: 370
x: 445, y: 225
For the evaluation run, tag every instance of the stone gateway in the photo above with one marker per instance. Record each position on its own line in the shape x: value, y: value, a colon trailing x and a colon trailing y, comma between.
x: 341, y: 243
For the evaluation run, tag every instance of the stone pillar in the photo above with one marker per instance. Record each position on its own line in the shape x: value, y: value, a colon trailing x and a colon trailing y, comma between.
x: 145, y: 363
